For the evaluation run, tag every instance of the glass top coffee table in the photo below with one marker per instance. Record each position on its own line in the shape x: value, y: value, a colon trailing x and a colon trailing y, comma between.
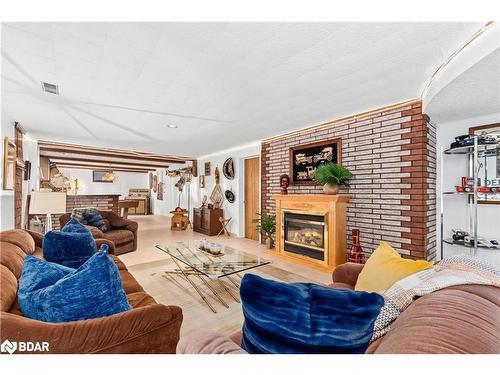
x: 209, y: 267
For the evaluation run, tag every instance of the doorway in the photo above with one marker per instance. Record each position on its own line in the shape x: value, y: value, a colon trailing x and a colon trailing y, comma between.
x: 251, y: 201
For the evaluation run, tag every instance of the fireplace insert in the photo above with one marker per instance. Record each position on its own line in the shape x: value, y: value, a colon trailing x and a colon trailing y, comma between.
x: 305, y: 234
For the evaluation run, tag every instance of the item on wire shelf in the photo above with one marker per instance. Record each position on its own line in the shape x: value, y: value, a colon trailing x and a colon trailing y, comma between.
x: 467, y: 140
x: 459, y: 235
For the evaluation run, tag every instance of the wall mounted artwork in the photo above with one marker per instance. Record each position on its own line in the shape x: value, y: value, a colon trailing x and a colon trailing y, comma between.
x: 9, y: 164
x: 207, y: 168
x: 304, y: 159
x: 202, y: 181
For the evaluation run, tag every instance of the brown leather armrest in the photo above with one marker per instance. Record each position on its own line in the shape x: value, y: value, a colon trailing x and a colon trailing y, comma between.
x: 37, y: 237
x: 96, y: 232
x: 118, y: 222
x: 149, y: 329
x: 207, y: 342
x: 103, y: 241
x: 347, y: 273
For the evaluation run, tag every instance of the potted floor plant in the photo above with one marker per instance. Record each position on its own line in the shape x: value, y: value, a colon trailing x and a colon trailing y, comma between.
x: 266, y: 225
x: 332, y: 176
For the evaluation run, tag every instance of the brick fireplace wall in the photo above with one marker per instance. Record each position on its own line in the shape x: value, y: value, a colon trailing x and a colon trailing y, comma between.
x: 391, y: 153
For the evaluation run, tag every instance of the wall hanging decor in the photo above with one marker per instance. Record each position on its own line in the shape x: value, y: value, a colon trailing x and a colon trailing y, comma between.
x: 230, y: 196
x: 9, y: 164
x: 207, y: 168
x: 155, y: 183
x: 228, y: 169
x: 304, y: 159
x: 217, y: 196
x: 202, y: 181
x: 161, y: 186
x: 150, y: 180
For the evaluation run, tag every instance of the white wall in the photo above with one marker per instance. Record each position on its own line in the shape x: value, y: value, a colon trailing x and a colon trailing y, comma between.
x: 6, y: 196
x: 124, y: 182
x: 454, y: 167
x: 234, y: 210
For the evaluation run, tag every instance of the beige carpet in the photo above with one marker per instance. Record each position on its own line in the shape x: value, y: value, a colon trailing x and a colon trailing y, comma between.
x: 174, y: 290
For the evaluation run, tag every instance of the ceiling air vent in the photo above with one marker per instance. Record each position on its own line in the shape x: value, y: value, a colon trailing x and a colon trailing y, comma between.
x: 50, y: 88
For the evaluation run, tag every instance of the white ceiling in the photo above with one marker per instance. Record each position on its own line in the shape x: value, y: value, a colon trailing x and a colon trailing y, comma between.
x: 223, y: 84
x: 474, y: 93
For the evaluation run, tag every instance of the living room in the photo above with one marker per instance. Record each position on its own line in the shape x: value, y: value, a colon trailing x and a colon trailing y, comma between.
x: 250, y: 187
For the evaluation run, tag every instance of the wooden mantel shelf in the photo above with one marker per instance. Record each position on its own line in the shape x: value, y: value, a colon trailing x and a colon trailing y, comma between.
x: 312, y: 197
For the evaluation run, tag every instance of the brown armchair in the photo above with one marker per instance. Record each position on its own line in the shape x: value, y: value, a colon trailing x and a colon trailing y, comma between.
x: 122, y: 232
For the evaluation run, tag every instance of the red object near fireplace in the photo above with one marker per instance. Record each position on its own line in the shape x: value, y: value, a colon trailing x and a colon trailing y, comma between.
x: 356, y: 255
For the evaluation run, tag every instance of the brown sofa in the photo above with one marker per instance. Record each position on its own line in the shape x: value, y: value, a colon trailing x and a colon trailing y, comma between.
x: 122, y: 232
x: 460, y: 319
x: 148, y: 328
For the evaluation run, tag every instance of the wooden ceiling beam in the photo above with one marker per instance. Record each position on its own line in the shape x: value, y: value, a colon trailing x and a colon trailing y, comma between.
x: 96, y: 169
x: 106, y: 163
x: 103, y: 167
x: 109, y: 152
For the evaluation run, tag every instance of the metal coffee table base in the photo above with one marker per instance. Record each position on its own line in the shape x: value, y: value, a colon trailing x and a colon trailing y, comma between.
x: 187, y: 272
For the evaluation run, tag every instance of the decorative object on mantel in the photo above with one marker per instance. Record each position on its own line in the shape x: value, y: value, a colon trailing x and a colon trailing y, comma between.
x: 284, y: 183
x: 217, y: 196
x: 356, y: 255
x: 305, y: 159
x: 9, y: 164
x: 155, y: 183
x: 202, y: 181
x: 266, y: 225
x: 229, y: 196
x: 207, y: 168
x: 332, y: 177
x: 228, y: 169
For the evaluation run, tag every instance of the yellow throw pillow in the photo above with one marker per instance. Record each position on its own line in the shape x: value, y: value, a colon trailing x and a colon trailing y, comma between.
x: 385, y: 267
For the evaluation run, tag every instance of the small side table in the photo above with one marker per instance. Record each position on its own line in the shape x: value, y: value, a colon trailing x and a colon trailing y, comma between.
x: 179, y: 220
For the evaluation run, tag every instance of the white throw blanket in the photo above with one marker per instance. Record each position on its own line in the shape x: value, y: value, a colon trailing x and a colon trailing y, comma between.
x: 456, y: 270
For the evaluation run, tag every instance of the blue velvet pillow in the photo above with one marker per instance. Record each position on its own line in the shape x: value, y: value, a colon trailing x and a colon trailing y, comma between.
x: 53, y: 293
x: 93, y: 217
x: 305, y: 318
x: 71, y: 247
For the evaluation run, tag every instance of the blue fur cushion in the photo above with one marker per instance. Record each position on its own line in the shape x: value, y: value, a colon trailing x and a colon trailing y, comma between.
x: 305, y: 318
x: 90, y: 216
x: 71, y: 247
x: 53, y: 293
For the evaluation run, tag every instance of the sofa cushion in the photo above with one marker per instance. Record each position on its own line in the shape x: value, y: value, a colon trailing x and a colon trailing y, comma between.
x: 90, y: 216
x: 207, y: 342
x: 72, y: 246
x: 459, y: 319
x: 385, y: 267
x: 12, y: 257
x: 8, y: 291
x: 305, y: 318
x: 119, y: 236
x: 20, y: 238
x: 53, y: 293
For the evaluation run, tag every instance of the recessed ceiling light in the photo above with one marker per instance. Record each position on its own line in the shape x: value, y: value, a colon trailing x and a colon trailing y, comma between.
x: 172, y: 126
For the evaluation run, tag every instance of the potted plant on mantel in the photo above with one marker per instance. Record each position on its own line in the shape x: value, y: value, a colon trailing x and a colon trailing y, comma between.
x: 332, y: 176
x: 266, y: 225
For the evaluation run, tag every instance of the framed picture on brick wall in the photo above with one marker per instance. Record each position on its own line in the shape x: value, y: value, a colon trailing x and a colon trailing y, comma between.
x: 304, y: 159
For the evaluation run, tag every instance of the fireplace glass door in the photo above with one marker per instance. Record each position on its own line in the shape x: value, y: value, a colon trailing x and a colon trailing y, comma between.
x: 305, y: 234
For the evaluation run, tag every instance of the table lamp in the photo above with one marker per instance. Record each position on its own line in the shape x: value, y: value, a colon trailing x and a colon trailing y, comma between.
x: 47, y: 203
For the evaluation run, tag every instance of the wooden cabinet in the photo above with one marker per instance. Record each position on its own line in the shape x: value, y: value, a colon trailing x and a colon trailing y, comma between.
x: 207, y: 221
